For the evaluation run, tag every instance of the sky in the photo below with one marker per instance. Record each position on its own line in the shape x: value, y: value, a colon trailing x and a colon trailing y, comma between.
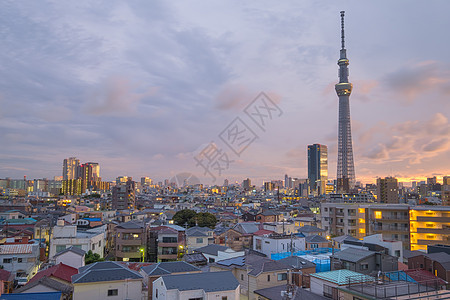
x: 145, y: 87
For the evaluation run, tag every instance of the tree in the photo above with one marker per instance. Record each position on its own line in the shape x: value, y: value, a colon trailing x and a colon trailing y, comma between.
x: 191, y: 218
x: 90, y: 257
x: 185, y: 216
x: 206, y: 219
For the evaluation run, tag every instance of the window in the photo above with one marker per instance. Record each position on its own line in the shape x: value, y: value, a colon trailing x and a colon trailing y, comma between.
x: 378, y: 215
x: 114, y: 292
x: 282, y: 276
x: 60, y: 248
x: 397, y: 253
x: 211, y: 260
x: 7, y: 260
x: 199, y: 240
x: 224, y: 297
x: 156, y: 293
x: 327, y: 291
x: 268, y: 277
x: 364, y: 266
x: 19, y: 260
x: 236, y: 239
x: 169, y: 239
x: 242, y: 276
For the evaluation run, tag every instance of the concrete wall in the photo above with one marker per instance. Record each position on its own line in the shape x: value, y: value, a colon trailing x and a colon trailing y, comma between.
x: 71, y: 259
x: 131, y: 289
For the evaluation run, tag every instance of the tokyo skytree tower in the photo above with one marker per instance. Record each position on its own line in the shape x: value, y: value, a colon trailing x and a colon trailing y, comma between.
x: 345, y: 165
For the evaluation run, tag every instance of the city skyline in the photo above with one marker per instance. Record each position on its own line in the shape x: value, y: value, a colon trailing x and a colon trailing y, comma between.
x: 140, y: 88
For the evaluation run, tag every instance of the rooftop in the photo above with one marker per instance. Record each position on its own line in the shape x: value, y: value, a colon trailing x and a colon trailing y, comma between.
x: 164, y: 268
x: 104, y: 271
x: 209, y: 282
x: 341, y: 277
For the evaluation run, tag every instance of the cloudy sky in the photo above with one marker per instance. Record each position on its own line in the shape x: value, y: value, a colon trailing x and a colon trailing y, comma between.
x: 141, y: 87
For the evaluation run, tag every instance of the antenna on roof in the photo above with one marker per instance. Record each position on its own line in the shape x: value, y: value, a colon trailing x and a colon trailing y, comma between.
x: 342, y: 30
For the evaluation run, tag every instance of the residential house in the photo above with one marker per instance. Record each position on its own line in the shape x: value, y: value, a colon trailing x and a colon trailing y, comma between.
x: 308, y: 230
x: 316, y: 241
x: 278, y: 243
x: 47, y: 285
x: 71, y: 256
x: 436, y: 263
x: 197, y: 237
x: 209, y: 285
x: 215, y: 252
x: 253, y: 272
x: 300, y: 270
x: 20, y: 259
x: 269, y: 216
x: 65, y: 236
x: 166, y: 243
x: 239, y: 237
x: 60, y: 272
x: 153, y: 272
x: 363, y: 261
x: 107, y: 280
x: 131, y: 240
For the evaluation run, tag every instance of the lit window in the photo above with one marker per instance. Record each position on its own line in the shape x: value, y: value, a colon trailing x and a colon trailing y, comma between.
x: 362, y: 230
x: 361, y: 210
x: 378, y: 215
x: 362, y: 221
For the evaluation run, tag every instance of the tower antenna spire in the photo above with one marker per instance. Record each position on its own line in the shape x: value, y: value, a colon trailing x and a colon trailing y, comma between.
x: 342, y: 30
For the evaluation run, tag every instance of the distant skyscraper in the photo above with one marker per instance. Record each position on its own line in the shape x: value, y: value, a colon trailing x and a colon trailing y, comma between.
x: 446, y: 180
x: 247, y: 184
x: 387, y: 190
x: 145, y: 181
x: 345, y: 165
x: 123, y: 195
x: 286, y: 181
x: 318, y: 168
x: 70, y: 168
x: 225, y: 182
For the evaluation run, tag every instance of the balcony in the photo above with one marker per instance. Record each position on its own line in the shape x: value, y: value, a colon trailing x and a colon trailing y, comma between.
x: 130, y: 242
x: 434, y: 219
x: 434, y: 230
x: 167, y: 245
x: 430, y: 242
x: 133, y: 254
x: 340, y: 224
x: 340, y: 214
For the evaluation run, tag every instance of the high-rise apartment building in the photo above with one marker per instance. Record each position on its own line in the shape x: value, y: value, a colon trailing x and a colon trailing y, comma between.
x: 446, y: 180
x: 70, y: 168
x: 247, y: 184
x: 387, y: 190
x: 345, y: 165
x: 123, y: 195
x: 146, y: 181
x: 318, y: 168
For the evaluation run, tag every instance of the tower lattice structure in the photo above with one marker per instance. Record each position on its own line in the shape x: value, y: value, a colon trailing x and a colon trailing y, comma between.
x: 345, y: 166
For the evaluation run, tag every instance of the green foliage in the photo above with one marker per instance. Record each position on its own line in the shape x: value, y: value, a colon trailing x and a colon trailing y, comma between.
x: 191, y: 218
x: 90, y: 258
x: 206, y: 219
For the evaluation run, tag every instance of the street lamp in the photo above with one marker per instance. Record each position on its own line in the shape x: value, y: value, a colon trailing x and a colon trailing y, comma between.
x: 143, y: 253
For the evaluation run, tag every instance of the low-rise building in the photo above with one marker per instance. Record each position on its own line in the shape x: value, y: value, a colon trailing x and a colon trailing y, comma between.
x: 210, y: 285
x: 153, y: 272
x: 65, y: 236
x: 107, y: 280
x: 363, y: 261
x: 277, y: 243
x: 20, y: 259
x: 131, y: 240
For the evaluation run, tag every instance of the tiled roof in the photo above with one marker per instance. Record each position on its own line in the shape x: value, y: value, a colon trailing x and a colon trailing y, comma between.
x: 169, y: 268
x: 48, y: 282
x: 211, y: 249
x: 353, y: 254
x: 73, y: 249
x: 6, y: 275
x: 209, y: 282
x: 16, y: 249
x: 104, y: 271
x: 340, y: 277
x: 297, y: 262
x: 263, y: 231
x: 60, y: 271
x: 131, y: 225
x: 309, y: 228
x: 315, y: 239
